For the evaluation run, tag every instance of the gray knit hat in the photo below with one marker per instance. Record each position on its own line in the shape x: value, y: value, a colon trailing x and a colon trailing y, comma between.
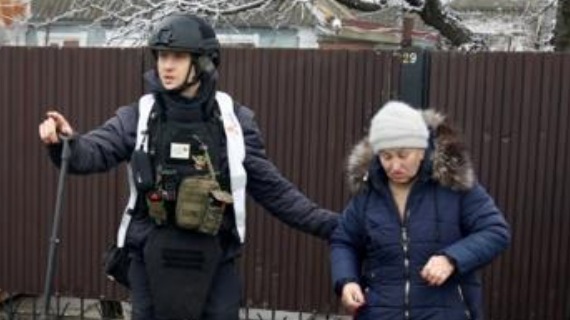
x: 397, y: 125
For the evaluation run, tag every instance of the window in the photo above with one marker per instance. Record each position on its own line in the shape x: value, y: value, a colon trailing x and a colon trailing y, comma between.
x: 62, y: 39
x: 239, y: 40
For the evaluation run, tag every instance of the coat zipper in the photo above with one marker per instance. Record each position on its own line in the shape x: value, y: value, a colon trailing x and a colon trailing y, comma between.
x: 467, y: 312
x: 405, y: 248
x: 405, y: 242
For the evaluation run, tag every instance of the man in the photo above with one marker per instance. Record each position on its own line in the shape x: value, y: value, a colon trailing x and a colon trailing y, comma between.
x: 189, y: 163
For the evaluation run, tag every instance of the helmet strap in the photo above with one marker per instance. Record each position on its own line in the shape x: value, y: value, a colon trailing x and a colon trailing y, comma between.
x: 187, y: 84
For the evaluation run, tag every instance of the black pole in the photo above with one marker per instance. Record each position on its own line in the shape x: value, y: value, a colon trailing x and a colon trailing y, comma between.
x: 54, y: 240
x: 414, y: 77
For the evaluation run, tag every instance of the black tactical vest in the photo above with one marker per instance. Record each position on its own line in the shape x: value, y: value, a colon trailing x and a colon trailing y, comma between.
x: 180, y: 142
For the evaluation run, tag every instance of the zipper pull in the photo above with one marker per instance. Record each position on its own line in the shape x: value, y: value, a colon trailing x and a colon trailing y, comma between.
x: 404, y: 235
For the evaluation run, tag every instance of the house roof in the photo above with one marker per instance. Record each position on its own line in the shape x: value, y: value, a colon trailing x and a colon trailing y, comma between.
x: 277, y: 14
x: 45, y: 10
x: 495, y: 5
x: 380, y: 26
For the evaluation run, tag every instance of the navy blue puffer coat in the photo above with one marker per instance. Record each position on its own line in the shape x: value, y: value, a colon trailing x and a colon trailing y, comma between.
x: 113, y: 142
x: 447, y: 213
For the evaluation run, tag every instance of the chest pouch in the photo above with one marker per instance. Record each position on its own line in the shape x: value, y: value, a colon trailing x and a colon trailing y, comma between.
x: 142, y: 171
x: 201, y: 202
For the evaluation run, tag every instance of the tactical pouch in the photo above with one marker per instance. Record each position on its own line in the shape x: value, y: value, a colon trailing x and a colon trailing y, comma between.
x: 156, y: 208
x: 201, y: 204
x: 116, y: 264
x: 142, y: 171
x: 213, y: 218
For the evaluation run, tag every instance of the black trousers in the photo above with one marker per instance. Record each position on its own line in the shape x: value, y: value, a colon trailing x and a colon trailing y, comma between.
x: 222, y: 303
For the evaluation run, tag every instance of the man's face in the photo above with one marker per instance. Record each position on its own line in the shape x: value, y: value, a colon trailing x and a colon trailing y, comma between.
x: 173, y: 68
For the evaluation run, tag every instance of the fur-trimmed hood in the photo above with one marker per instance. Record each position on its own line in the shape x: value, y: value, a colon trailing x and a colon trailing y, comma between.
x: 451, y: 165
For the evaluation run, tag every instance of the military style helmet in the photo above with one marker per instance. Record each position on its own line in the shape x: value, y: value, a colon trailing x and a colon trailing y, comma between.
x: 186, y: 33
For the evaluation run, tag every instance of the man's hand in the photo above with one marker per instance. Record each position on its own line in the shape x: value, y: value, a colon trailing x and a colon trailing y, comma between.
x: 352, y: 297
x: 437, y: 270
x: 54, y: 125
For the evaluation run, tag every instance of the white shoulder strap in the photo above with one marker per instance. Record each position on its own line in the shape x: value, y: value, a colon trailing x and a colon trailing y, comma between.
x: 236, y: 156
x: 145, y: 106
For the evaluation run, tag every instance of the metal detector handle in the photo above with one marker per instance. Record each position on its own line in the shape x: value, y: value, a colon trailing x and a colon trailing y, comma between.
x: 54, y: 240
x: 66, y: 152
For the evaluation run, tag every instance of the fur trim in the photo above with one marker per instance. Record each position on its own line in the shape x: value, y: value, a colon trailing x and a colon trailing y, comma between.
x: 357, y: 165
x: 451, y: 164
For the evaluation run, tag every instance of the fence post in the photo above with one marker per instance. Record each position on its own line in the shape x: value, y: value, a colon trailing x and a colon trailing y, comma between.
x: 414, y: 77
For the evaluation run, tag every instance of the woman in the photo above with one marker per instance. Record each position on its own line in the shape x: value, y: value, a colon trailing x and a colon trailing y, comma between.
x: 418, y: 227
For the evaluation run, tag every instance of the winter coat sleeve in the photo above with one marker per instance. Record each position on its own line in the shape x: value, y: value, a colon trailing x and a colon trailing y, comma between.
x: 275, y: 193
x: 104, y: 147
x: 486, y: 233
x: 348, y: 244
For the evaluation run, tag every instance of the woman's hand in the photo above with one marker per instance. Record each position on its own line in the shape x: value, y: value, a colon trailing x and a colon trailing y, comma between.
x: 437, y: 270
x: 352, y: 297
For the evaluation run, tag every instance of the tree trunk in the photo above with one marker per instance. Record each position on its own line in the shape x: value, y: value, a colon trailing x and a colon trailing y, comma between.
x: 562, y: 29
x: 449, y: 25
x: 434, y: 14
x: 366, y: 6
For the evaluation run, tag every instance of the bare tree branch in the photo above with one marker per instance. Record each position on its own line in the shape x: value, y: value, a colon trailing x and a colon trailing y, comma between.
x: 450, y: 26
x: 545, y: 20
x: 561, y: 39
x: 366, y: 6
x: 533, y: 15
x: 324, y: 17
x: 237, y: 8
x: 134, y: 19
x: 72, y: 12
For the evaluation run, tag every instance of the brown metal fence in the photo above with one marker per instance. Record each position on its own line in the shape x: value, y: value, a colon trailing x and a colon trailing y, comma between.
x: 86, y: 85
x: 312, y: 107
x: 514, y: 109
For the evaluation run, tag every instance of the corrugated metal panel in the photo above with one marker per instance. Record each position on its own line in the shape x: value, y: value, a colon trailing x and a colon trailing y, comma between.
x: 514, y: 111
x: 87, y: 86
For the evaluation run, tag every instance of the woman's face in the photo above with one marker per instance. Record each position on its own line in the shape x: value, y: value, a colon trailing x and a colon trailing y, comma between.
x: 401, y: 165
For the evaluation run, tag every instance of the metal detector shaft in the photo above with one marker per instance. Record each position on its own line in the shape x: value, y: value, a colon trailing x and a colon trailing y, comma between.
x: 54, y: 240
